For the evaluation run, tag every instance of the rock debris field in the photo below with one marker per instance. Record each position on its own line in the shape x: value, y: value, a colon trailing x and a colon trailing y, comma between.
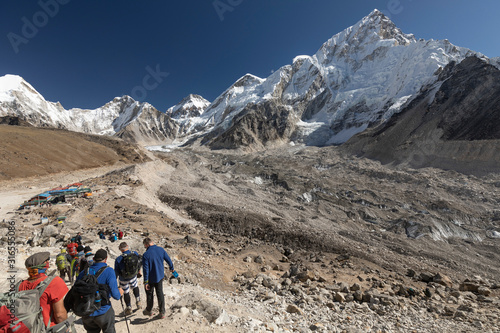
x: 295, y: 240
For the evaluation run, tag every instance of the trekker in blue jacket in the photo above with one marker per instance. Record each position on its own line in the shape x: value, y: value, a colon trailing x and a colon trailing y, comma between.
x: 104, y: 318
x: 154, y: 272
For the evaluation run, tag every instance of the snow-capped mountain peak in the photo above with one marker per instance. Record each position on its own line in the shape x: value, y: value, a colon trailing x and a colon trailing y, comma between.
x: 384, y: 27
x: 19, y: 98
x: 8, y: 83
x: 362, y: 39
x: 190, y: 106
x: 359, y: 77
x: 12, y: 85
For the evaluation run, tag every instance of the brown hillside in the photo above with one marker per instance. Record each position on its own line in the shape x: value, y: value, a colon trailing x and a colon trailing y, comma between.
x: 29, y: 151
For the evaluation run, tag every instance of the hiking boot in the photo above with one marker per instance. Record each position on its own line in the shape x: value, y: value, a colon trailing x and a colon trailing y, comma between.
x: 147, y: 313
x: 128, y: 310
x: 139, y: 306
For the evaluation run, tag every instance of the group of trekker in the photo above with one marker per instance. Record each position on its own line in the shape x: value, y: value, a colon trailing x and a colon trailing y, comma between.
x: 112, y: 235
x: 74, y: 259
x: 95, y: 284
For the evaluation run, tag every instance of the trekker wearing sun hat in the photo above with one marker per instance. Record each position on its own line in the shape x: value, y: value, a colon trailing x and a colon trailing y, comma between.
x: 51, y: 300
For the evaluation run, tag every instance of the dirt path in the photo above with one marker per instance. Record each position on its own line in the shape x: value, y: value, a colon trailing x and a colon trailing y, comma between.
x: 153, y: 174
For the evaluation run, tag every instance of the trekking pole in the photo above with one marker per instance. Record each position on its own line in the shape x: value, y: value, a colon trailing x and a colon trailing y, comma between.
x: 125, y: 313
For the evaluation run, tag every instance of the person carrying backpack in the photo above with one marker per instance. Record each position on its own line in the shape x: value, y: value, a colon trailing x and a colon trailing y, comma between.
x: 51, y: 300
x: 101, y: 234
x: 78, y: 238
x: 100, y: 279
x: 75, y: 263
x: 87, y: 260
x: 127, y: 269
x: 63, y: 265
x: 154, y: 272
x: 72, y: 249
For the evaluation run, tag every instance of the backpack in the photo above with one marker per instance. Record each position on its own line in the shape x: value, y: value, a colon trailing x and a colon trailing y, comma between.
x: 61, y: 261
x: 76, y: 264
x: 131, y: 265
x: 20, y: 311
x: 72, y: 249
x: 87, y: 295
x: 84, y: 263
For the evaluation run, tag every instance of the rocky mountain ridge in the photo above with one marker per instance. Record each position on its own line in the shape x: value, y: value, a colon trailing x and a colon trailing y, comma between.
x: 359, y: 78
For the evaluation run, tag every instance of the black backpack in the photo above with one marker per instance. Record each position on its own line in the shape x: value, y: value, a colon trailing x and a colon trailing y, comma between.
x: 84, y: 264
x: 131, y: 265
x: 87, y: 295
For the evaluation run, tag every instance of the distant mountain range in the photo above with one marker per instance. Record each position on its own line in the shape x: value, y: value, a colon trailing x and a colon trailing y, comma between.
x: 360, y: 79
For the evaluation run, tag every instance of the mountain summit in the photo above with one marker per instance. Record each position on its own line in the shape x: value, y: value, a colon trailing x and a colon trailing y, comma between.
x: 358, y: 78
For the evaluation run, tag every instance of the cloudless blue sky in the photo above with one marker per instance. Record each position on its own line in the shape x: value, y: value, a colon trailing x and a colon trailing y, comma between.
x: 84, y: 53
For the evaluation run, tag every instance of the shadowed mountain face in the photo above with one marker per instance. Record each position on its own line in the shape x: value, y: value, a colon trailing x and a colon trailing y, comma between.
x: 255, y: 126
x: 452, y: 124
x: 469, y: 100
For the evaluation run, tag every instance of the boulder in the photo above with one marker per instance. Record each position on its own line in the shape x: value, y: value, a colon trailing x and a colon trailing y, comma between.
x: 49, y: 231
x: 469, y: 286
x: 292, y: 308
x: 249, y: 274
x: 306, y: 275
x: 485, y: 291
x: 426, y: 277
x: 339, y: 297
x: 358, y: 295
x: 294, y: 270
x: 442, y: 280
x: 259, y: 260
x: 196, y: 302
x: 355, y: 287
x: 344, y: 287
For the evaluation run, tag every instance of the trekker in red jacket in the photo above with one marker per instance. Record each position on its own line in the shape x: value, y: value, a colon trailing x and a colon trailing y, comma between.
x: 51, y: 300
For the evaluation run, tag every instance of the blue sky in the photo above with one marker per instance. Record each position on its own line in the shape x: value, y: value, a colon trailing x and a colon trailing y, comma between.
x: 84, y: 53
